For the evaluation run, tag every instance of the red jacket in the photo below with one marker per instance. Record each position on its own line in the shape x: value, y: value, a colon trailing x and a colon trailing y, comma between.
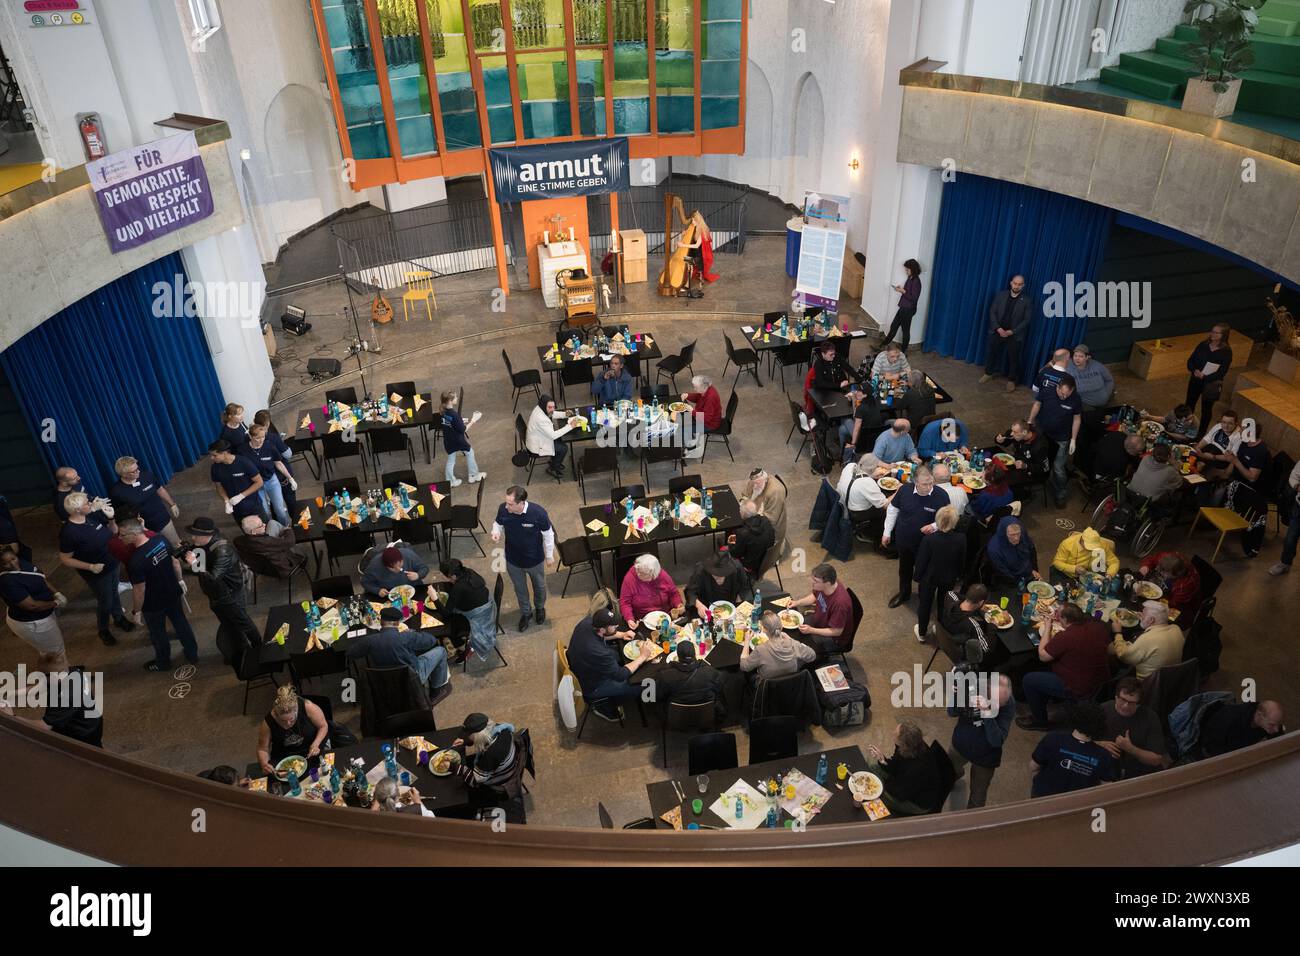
x: 1183, y: 592
x: 809, y: 405
x: 708, y: 404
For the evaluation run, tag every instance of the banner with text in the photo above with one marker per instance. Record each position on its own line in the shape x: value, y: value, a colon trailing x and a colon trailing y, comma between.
x: 587, y: 168
x: 148, y: 191
x: 821, y: 250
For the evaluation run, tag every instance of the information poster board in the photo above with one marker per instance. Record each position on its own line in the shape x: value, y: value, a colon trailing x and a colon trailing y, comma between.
x: 821, y: 252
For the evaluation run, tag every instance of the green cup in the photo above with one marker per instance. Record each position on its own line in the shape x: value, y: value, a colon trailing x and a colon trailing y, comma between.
x: 697, y: 806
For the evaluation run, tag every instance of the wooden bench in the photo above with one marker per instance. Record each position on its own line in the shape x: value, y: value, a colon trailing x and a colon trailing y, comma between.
x: 1147, y: 362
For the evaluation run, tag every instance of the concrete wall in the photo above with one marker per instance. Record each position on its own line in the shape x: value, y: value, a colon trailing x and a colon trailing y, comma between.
x: 1183, y: 180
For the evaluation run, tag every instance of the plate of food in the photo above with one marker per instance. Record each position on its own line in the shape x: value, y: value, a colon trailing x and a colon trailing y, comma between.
x: 1127, y: 618
x: 1148, y: 590
x: 973, y: 481
x: 1041, y: 590
x: 292, y: 763
x: 889, y: 484
x: 997, y: 617
x: 1151, y: 430
x: 576, y: 421
x: 655, y: 619
x: 679, y: 407
x: 790, y: 618
x: 1181, y: 451
x: 865, y: 786
x: 444, y: 763
x: 405, y: 591
x: 1008, y: 460
x: 722, y: 610
x: 632, y: 649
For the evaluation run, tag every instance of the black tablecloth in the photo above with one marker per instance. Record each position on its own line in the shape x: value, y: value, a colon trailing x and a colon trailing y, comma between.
x: 295, y: 641
x: 725, y: 508
x: 421, y: 418
x: 836, y: 404
x: 378, y: 525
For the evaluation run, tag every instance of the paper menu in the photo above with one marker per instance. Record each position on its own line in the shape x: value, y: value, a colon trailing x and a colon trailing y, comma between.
x: 595, y: 525
x: 754, y: 804
x: 475, y: 417
x: 1210, y: 368
x: 747, y: 329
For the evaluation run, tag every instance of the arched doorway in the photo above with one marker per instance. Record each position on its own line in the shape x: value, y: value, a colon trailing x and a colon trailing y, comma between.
x: 804, y: 168
x: 303, y: 163
x: 755, y: 167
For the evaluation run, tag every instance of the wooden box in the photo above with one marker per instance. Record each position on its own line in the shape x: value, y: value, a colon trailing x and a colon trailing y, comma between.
x: 854, y: 275
x: 634, y: 270
x: 632, y: 242
x: 1147, y: 362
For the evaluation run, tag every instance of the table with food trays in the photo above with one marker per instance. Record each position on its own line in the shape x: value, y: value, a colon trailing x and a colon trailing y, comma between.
x: 419, y: 411
x: 647, y: 350
x: 606, y: 531
x: 834, y: 403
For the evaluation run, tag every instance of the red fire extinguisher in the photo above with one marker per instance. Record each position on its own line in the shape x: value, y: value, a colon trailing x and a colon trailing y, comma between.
x: 92, y: 136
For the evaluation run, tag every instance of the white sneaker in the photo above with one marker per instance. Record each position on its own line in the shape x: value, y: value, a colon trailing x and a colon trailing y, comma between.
x: 1279, y: 569
x: 916, y: 630
x: 455, y: 482
x: 477, y: 478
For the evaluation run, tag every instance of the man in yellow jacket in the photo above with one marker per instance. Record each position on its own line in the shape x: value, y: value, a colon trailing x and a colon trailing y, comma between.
x: 1078, y: 554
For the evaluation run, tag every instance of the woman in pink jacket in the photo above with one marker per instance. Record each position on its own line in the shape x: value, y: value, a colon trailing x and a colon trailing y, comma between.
x: 648, y: 587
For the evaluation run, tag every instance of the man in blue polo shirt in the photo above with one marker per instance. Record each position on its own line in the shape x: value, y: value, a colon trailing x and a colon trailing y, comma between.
x: 66, y: 481
x: 159, y: 593
x: 83, y: 546
x: 530, y: 546
x: 139, y: 491
x: 1058, y: 413
x: 237, y: 481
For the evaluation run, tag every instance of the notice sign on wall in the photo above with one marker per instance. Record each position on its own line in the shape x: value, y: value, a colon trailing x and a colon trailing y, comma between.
x: 821, y: 251
x: 148, y: 191
x: 587, y: 168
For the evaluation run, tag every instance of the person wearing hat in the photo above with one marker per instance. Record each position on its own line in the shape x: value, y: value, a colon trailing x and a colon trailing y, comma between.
x: 496, y: 767
x: 212, y: 558
x: 689, y: 680
x: 598, y: 666
x: 721, y: 578
x: 544, y: 439
x: 1092, y: 379
x: 417, y: 650
x: 392, y: 567
x: 753, y: 539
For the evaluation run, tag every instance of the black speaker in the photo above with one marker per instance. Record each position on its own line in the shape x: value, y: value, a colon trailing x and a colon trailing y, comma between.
x: 323, y: 368
x: 294, y: 320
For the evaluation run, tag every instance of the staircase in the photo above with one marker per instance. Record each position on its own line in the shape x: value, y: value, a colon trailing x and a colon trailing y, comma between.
x: 1271, y: 87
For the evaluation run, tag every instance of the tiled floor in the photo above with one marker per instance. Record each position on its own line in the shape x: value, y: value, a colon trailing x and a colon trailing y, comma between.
x: 204, y: 727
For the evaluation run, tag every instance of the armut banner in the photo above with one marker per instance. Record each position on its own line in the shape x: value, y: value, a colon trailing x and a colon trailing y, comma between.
x: 587, y: 168
x: 148, y: 191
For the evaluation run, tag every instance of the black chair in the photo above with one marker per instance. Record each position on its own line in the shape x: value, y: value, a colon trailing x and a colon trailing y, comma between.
x: 674, y: 455
x: 394, y: 702
x: 689, y: 718
x: 723, y: 430
x: 390, y: 439
x: 660, y: 391
x: 672, y: 365
x: 576, y: 372
x: 794, y: 355
x: 404, y: 389
x: 626, y: 556
x: 466, y: 519
x: 498, y: 590
x: 334, y: 448
x: 575, y: 554
x: 346, y: 395
x: 262, y: 567
x: 418, y: 530
x: 342, y: 544
x: 945, y: 643
x: 391, y: 479
x: 947, y: 773
x: 312, y: 665
x: 709, y: 752
x: 352, y: 485
x: 597, y: 461
x: 607, y: 822
x: 799, y: 423
x: 301, y: 448
x: 617, y: 495
x: 1210, y: 578
x: 847, y: 646
x: 772, y: 561
x: 528, y: 378
x: 243, y: 660
x: 745, y: 360
x: 773, y: 738
x: 683, y: 483
x: 339, y: 586
x: 521, y: 445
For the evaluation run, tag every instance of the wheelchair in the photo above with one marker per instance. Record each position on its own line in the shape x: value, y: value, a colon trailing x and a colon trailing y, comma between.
x: 1129, y: 518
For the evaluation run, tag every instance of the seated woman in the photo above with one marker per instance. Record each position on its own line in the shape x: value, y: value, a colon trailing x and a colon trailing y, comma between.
x: 911, y: 777
x: 1179, y: 579
x: 388, y: 798
x: 995, y: 495
x: 1012, y: 555
x: 648, y: 587
x: 707, y: 409
x: 780, y: 656
x: 719, y: 579
x: 468, y: 601
x: 1078, y: 554
x: 294, y: 727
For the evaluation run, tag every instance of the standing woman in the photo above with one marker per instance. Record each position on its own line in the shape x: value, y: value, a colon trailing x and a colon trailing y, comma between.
x: 909, y: 293
x: 1209, y: 365
x: 233, y: 428
x: 940, y: 560
x: 455, y: 439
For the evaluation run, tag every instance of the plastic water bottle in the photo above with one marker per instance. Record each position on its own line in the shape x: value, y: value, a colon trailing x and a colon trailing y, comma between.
x: 740, y: 808
x: 390, y: 762
x: 708, y: 504
x: 295, y: 788
x: 336, y: 782
x: 822, y: 769
x: 629, y: 506
x: 404, y: 498
x: 347, y: 498
x: 338, y: 502
x: 772, y: 816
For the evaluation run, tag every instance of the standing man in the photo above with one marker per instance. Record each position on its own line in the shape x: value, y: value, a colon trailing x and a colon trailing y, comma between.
x: 910, y: 517
x: 1093, y: 380
x: 159, y: 594
x: 237, y: 481
x: 221, y: 576
x: 1057, y: 414
x: 140, y: 491
x: 981, y: 730
x: 1009, y: 319
x: 613, y: 384
x: 83, y: 546
x: 530, y: 546
x: 66, y: 481
x: 1293, y: 529
x: 1050, y: 373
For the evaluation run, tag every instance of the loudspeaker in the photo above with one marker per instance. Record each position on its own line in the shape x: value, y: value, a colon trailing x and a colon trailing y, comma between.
x: 323, y: 368
x: 295, y: 320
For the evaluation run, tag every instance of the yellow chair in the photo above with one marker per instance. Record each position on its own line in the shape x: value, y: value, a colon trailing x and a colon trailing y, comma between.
x: 1224, y: 519
x: 419, y: 288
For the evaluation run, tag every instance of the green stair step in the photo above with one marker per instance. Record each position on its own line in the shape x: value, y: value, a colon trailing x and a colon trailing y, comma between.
x: 1171, y: 46
x: 1185, y: 31
x: 1274, y: 94
x: 1278, y: 28
x: 1279, y: 54
x: 1158, y: 65
x: 1139, y: 83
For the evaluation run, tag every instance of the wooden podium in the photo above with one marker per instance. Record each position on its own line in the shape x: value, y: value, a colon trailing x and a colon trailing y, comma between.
x: 579, y: 297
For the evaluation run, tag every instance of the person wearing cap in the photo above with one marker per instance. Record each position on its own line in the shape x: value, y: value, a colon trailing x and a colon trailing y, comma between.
x: 497, y: 765
x: 769, y: 493
x: 417, y: 650
x: 140, y: 491
x: 721, y: 578
x: 689, y: 680
x: 599, y: 667
x: 395, y: 565
x: 753, y: 539
x: 1093, y: 380
x: 212, y: 559
x: 236, y: 479
x: 471, y: 608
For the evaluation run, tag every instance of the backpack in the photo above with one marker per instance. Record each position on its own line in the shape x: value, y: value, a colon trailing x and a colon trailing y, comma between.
x: 844, y: 708
x: 1121, y: 523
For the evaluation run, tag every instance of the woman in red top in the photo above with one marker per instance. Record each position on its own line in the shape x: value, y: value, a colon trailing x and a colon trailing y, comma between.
x: 648, y: 587
x: 1179, y: 579
x: 707, y: 402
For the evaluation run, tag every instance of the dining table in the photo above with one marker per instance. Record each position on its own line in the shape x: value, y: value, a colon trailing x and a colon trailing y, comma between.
x: 726, y: 512
x: 318, y: 422
x: 834, y: 403
x: 437, y: 514
x: 647, y: 350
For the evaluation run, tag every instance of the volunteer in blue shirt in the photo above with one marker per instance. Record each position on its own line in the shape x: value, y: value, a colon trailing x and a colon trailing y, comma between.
x: 66, y: 481
x: 982, y: 729
x: 159, y: 594
x: 1092, y: 380
x: 1057, y: 414
x: 281, y: 448
x: 233, y: 428
x: 237, y: 481
x: 612, y: 384
x: 275, y: 475
x: 910, y: 517
x: 946, y: 434
x: 1050, y: 373
x: 530, y: 546
x: 83, y: 546
x: 896, y: 443
x: 455, y: 438
x: 139, y: 491
x: 31, y: 605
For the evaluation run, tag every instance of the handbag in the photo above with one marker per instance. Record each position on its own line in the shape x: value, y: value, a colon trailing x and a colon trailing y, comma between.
x: 520, y: 458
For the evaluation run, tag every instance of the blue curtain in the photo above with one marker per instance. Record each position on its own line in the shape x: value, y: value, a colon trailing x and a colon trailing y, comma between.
x: 106, y: 378
x: 989, y: 231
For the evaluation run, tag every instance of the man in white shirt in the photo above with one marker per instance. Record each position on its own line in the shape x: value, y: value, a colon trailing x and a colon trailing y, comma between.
x: 957, y: 495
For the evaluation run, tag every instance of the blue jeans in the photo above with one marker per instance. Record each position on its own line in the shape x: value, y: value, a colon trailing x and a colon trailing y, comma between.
x: 846, y: 433
x: 1060, y: 479
x: 272, y: 496
x: 157, y: 622
x: 614, y: 690
x: 450, y: 472
x: 482, y: 627
x: 433, y: 664
x: 104, y: 586
x: 557, y: 460
x: 1292, y: 535
x: 520, y: 577
x: 1039, y: 688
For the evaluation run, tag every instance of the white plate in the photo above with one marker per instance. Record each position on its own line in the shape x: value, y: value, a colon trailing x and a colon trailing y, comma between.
x: 726, y: 607
x: 1041, y: 589
x: 865, y: 786
x: 654, y: 619
x: 1148, y: 590
x: 783, y: 614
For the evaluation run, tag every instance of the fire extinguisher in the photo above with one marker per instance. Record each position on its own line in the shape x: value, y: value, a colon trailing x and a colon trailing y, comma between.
x: 92, y: 136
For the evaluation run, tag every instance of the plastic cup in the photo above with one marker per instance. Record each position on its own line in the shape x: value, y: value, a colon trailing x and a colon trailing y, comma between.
x: 842, y: 771
x: 697, y: 806
x: 692, y: 826
x: 604, y: 532
x: 702, y: 781
x: 713, y: 523
x: 320, y: 502
x: 1003, y: 603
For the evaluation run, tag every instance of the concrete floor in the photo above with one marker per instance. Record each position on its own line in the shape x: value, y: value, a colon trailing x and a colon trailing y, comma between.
x: 189, y: 728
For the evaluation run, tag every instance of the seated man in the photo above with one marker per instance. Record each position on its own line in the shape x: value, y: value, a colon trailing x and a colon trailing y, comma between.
x: 613, y: 383
x: 862, y: 497
x: 1180, y: 425
x: 719, y: 579
x: 691, y: 681
x: 958, y: 497
x: 944, y: 434
x: 1115, y: 456
x: 1222, y: 440
x: 827, y: 627
x: 1157, y: 477
x: 890, y: 363
x: 417, y: 650
x: 962, y: 616
x: 753, y: 539
x: 260, y: 541
x: 896, y: 444
x: 393, y: 566
x: 859, y: 431
x: 1031, y: 451
x: 1068, y: 761
x: 1228, y: 727
x: 779, y: 656
x: 1078, y: 553
x: 1133, y: 735
x: 1159, y: 645
x: 1079, y: 665
x: 599, y: 667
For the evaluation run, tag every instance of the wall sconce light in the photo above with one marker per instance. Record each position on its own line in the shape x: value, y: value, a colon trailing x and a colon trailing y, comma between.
x: 854, y: 164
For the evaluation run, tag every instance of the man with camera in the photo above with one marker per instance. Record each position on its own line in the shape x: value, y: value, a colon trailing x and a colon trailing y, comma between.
x: 982, y: 728
x: 211, y: 557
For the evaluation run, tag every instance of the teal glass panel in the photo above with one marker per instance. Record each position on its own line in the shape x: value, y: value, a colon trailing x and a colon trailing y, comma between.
x: 408, y: 76
x: 720, y: 64
x: 460, y: 128
x: 676, y: 114
x: 631, y: 115
x: 354, y: 66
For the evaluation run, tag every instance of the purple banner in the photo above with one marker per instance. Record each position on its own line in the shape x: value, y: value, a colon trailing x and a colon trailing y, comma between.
x: 148, y: 191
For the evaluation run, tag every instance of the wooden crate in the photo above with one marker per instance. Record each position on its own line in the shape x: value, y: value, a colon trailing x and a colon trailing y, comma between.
x: 1169, y: 361
x: 634, y: 270
x: 632, y: 242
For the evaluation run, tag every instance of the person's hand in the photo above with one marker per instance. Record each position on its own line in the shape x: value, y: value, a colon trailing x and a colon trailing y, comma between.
x: 875, y: 753
x: 412, y: 796
x: 412, y: 576
x: 1124, y: 742
x: 270, y: 771
x: 700, y: 609
x: 230, y: 507
x: 1116, y: 626
x: 1198, y: 374
x: 1110, y: 747
x: 1072, y: 446
x: 458, y: 742
x: 884, y: 541
x: 647, y: 650
x: 631, y: 624
x: 383, y: 592
x: 313, y: 751
x: 138, y: 617
x: 929, y: 529
x: 236, y: 499
x: 1037, y: 576
x: 844, y: 384
x: 496, y: 535
x: 293, y: 484
x: 683, y: 396
x: 979, y: 703
x: 804, y: 628
x: 176, y: 511
x: 60, y: 599
x: 97, y: 568
x: 185, y: 588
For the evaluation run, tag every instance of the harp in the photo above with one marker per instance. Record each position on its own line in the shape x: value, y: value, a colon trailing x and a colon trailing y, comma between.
x: 676, y: 272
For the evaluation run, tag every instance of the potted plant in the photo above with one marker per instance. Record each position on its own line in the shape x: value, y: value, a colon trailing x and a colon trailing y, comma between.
x: 1222, y: 51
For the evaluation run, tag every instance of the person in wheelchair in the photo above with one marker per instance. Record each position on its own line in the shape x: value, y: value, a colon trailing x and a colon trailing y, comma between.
x: 1115, y: 456
x: 1156, y: 477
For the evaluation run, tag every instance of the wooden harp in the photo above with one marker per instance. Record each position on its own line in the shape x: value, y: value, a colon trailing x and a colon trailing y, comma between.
x: 676, y: 273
